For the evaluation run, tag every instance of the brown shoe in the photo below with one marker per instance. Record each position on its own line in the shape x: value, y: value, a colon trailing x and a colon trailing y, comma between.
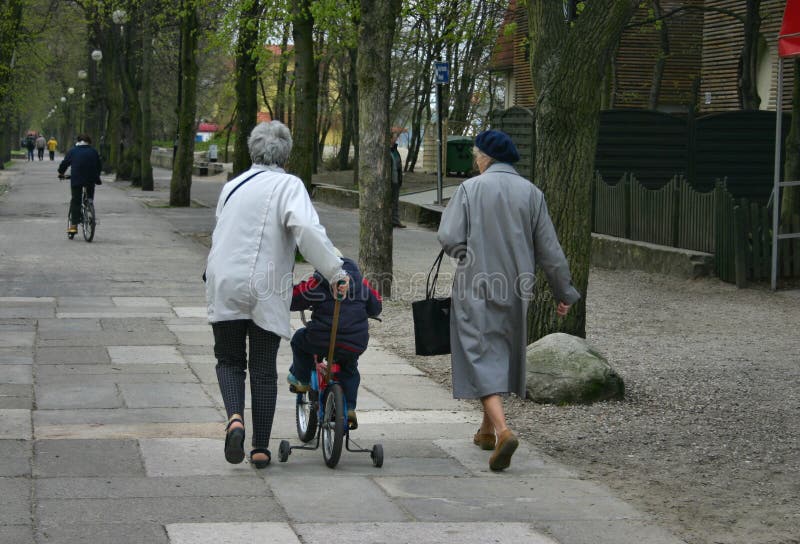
x: 506, y: 446
x: 73, y: 229
x: 484, y: 440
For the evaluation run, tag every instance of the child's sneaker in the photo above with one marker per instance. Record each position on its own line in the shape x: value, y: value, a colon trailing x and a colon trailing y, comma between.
x: 352, y: 420
x: 295, y: 385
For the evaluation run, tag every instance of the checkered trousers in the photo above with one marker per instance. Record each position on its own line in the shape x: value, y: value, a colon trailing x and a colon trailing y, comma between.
x: 230, y: 341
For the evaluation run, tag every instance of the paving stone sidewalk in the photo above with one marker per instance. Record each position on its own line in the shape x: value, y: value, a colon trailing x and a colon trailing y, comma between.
x: 111, y: 422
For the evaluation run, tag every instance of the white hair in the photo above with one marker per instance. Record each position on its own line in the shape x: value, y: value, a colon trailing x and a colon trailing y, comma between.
x: 270, y: 143
x: 476, y: 152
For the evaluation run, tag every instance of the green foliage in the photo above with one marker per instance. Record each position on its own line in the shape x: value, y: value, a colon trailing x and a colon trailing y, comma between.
x: 510, y: 29
x: 336, y: 20
x: 37, y: 51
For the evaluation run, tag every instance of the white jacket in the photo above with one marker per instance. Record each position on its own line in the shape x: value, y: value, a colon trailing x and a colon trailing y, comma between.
x: 249, y: 269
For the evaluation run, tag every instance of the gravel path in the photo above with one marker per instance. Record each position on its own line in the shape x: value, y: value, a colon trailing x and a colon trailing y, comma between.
x: 708, y: 437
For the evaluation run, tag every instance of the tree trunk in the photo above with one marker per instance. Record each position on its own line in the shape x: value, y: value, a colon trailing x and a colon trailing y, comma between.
x: 568, y: 62
x: 356, y: 128
x: 324, y: 109
x: 347, y: 105
x: 146, y: 127
x: 748, y: 63
x: 661, y: 61
x: 790, y: 197
x: 265, y: 98
x: 96, y: 111
x: 129, y: 64
x: 11, y: 13
x: 113, y: 134
x: 113, y: 93
x: 378, y: 21
x: 421, y: 110
x: 246, y: 84
x: 5, y: 143
x: 228, y: 129
x: 301, y: 160
x: 283, y: 68
x: 181, y: 184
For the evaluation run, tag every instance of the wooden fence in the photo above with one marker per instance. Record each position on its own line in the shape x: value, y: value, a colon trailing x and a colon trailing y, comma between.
x: 744, y: 242
x: 736, y: 230
x: 673, y: 215
x: 736, y: 145
x: 520, y: 124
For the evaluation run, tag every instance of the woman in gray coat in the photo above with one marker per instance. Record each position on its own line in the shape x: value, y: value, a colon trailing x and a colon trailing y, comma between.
x: 497, y: 226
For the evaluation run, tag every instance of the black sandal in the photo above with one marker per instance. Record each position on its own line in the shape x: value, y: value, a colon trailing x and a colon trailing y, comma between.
x: 260, y: 464
x: 234, y: 442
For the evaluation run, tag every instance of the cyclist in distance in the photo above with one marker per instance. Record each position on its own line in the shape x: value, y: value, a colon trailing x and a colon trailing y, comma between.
x: 85, y: 163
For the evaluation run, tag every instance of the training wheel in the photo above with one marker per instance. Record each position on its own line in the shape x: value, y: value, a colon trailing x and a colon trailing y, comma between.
x: 377, y: 455
x: 283, y: 451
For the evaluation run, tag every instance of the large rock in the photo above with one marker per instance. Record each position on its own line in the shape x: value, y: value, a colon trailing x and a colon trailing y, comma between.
x: 564, y: 369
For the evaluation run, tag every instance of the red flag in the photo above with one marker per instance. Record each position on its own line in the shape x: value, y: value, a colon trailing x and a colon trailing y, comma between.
x: 789, y: 37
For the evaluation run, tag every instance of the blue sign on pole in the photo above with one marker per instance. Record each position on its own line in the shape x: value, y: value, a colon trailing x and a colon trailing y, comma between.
x: 442, y: 72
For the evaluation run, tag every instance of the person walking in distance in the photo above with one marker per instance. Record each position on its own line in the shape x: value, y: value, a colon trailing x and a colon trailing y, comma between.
x: 30, y: 145
x: 497, y: 227
x: 397, y: 177
x: 41, y: 144
x: 52, y: 145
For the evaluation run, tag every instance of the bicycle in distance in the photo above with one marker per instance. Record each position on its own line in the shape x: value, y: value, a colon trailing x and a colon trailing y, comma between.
x: 88, y: 218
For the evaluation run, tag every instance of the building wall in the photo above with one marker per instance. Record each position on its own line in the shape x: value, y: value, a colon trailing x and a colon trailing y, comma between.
x: 634, y: 62
x: 723, y: 39
x: 523, y: 84
x: 703, y: 44
x: 640, y: 48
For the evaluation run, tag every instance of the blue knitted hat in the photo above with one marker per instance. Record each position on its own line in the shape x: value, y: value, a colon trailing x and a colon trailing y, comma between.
x: 497, y: 145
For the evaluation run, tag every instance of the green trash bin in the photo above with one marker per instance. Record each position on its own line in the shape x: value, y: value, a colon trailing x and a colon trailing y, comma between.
x: 459, y: 155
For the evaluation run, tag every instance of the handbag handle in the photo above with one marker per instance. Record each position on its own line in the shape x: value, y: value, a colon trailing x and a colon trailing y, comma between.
x: 430, y: 288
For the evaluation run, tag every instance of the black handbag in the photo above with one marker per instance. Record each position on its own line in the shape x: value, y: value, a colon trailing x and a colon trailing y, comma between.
x: 432, y: 317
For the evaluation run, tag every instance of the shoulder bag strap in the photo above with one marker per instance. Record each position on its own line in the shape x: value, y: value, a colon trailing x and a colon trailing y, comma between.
x: 430, y: 287
x: 230, y: 195
x: 240, y: 184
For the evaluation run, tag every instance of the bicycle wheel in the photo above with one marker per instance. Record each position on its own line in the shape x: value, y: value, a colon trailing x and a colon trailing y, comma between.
x: 306, y: 417
x: 333, y: 425
x: 88, y: 220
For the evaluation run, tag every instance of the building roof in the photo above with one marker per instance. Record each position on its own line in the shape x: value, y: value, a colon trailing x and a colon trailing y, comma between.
x: 207, y: 127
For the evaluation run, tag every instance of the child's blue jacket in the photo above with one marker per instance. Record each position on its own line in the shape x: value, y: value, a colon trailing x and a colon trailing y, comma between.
x: 360, y: 303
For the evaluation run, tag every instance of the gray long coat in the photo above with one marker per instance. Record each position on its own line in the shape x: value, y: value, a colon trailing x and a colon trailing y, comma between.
x: 498, y: 228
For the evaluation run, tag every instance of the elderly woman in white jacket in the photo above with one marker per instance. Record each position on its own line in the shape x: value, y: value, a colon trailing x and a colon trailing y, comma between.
x: 262, y: 216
